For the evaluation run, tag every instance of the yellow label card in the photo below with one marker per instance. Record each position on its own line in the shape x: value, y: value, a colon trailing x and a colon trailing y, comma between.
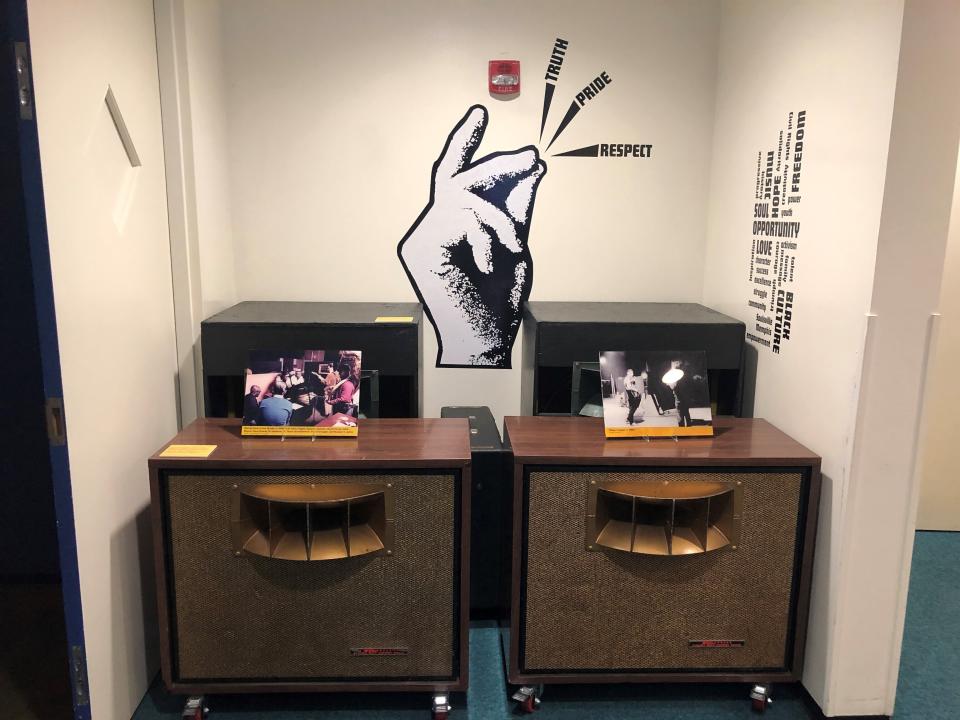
x: 695, y: 431
x: 299, y: 431
x: 394, y: 318
x: 188, y: 451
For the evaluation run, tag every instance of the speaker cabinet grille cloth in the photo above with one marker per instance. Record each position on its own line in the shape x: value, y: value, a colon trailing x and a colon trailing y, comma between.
x: 612, y: 610
x: 247, y: 617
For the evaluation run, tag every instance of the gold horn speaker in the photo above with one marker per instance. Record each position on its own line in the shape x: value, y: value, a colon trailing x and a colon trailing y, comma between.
x: 667, y: 516
x: 659, y: 561
x: 340, y: 564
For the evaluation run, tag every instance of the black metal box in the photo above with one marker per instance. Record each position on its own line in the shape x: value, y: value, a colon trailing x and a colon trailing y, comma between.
x: 490, y: 535
x: 559, y: 336
x: 392, y: 357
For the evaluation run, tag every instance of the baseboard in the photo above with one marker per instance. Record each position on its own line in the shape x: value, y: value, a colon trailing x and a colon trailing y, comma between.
x: 818, y: 713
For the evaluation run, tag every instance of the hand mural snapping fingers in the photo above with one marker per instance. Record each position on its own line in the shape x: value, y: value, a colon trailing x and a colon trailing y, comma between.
x: 466, y: 255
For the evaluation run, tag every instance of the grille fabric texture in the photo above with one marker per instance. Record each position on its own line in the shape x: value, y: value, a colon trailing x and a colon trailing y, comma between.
x: 611, y: 610
x: 251, y: 617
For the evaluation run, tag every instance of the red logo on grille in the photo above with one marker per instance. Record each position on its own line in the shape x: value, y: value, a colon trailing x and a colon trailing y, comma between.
x: 367, y: 651
x: 716, y: 643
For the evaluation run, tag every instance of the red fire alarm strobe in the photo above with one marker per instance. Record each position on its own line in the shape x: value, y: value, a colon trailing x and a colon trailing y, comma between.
x: 504, y: 77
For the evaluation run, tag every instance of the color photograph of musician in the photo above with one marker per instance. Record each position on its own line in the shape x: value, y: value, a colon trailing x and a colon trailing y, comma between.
x: 308, y: 388
x: 655, y: 390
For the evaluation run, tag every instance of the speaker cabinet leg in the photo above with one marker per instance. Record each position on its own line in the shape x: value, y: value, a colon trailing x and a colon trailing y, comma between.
x: 527, y: 698
x: 760, y: 697
x: 195, y: 708
x: 441, y: 707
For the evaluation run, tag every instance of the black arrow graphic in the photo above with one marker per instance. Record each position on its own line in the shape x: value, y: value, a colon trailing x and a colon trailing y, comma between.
x: 547, y: 99
x: 588, y: 151
x: 571, y: 114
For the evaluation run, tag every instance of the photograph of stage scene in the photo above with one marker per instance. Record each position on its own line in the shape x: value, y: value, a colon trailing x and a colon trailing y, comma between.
x: 656, y: 390
x: 308, y: 388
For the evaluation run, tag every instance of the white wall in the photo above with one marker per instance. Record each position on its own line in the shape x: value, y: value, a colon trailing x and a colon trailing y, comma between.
x: 841, y: 67
x: 109, y: 248
x: 940, y: 492
x: 208, y: 112
x: 198, y: 186
x: 881, y: 503
x: 839, y: 62
x: 336, y: 111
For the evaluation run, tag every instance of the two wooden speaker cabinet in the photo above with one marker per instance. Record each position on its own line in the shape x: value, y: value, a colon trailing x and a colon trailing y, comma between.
x: 340, y: 564
x: 659, y: 561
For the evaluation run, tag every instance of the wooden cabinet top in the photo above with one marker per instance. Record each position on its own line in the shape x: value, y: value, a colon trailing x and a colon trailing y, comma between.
x: 399, y: 442
x: 580, y: 441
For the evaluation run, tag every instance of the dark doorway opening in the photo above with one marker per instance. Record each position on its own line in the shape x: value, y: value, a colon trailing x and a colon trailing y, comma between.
x: 34, y: 665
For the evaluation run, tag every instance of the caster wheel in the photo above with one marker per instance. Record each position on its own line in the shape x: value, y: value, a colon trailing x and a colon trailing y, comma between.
x: 529, y: 705
x: 760, y: 698
x: 195, y: 709
x: 441, y: 707
x: 528, y: 698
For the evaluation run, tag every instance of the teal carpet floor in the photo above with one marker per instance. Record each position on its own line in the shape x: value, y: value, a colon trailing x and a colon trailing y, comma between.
x: 929, y: 685
x: 929, y: 688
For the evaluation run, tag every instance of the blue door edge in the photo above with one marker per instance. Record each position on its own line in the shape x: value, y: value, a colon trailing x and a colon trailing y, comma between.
x: 32, y: 184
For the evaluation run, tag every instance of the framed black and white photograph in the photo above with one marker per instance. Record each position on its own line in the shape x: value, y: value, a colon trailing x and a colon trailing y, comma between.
x: 655, y: 393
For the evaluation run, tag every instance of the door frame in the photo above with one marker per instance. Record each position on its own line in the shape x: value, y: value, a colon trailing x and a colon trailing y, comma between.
x: 15, y: 30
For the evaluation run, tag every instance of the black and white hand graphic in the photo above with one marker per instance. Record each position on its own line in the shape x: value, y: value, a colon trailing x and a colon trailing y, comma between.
x: 467, y: 255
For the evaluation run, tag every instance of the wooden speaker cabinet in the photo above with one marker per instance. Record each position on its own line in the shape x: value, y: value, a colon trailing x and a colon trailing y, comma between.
x: 659, y: 561
x: 338, y: 564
